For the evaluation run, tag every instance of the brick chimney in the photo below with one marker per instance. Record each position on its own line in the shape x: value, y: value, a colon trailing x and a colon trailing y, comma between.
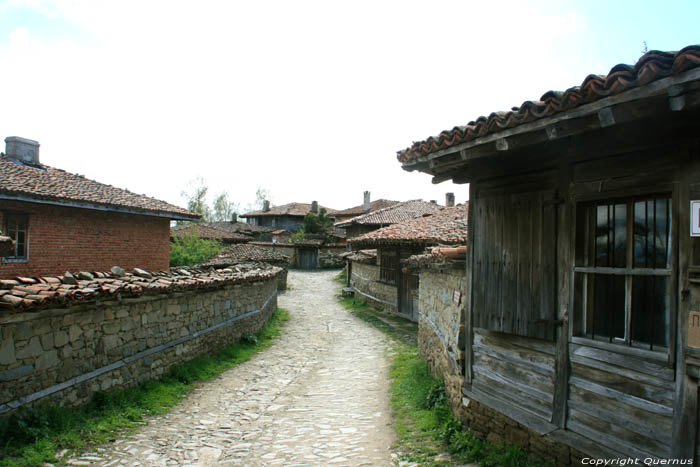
x: 266, y: 205
x: 314, y: 207
x: 22, y: 149
x: 365, y: 205
x: 449, y: 200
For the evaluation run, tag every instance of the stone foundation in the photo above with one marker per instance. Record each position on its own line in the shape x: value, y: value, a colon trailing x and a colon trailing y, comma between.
x: 365, y: 282
x: 484, y: 422
x: 65, y: 355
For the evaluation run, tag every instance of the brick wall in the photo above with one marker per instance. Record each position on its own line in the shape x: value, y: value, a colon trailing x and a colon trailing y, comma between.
x: 67, y: 354
x: 71, y: 239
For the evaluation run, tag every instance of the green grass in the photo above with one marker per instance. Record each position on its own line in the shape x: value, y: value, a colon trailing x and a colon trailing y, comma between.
x: 427, y: 431
x: 342, y: 277
x: 33, y: 436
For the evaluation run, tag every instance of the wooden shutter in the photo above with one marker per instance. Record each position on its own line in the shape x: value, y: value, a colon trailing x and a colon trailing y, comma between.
x: 514, y: 279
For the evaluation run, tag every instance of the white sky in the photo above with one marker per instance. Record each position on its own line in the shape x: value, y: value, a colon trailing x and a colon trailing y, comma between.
x: 310, y: 100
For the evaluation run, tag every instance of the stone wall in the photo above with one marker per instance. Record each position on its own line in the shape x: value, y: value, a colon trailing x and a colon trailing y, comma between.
x: 68, y: 354
x: 365, y: 282
x: 329, y: 256
x: 441, y: 307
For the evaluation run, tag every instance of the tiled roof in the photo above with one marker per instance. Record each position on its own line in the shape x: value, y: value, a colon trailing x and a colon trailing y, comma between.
x: 436, y: 257
x: 291, y: 209
x: 237, y: 227
x: 30, y: 294
x: 447, y: 226
x: 246, y: 253
x: 652, y: 66
x: 362, y: 256
x: 393, y: 214
x: 44, y: 183
x: 203, y: 231
x: 359, y: 210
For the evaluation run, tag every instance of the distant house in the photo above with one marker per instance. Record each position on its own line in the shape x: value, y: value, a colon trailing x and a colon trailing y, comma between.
x: 289, y: 216
x: 233, y: 255
x: 61, y: 221
x: 383, y: 217
x: 382, y: 277
x: 206, y: 232
x: 582, y: 286
x: 366, y: 207
x: 256, y: 232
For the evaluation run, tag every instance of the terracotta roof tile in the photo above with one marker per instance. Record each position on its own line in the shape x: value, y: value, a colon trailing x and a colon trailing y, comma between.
x: 42, y: 182
x: 359, y: 210
x: 237, y: 227
x: 291, y: 209
x: 59, y: 292
x: 393, y: 214
x: 246, y: 253
x: 447, y: 226
x: 652, y: 66
x: 204, y: 231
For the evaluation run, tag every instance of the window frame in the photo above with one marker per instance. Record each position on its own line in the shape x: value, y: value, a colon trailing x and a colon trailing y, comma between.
x: 6, y: 216
x: 583, y: 201
x: 391, y: 269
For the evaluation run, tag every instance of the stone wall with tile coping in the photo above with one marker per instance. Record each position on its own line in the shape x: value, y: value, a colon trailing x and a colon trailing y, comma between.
x: 67, y: 354
x: 365, y: 282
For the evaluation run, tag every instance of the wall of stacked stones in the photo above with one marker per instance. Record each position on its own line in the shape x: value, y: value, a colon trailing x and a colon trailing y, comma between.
x: 441, y: 305
x: 66, y: 355
x: 368, y: 287
x: 329, y: 256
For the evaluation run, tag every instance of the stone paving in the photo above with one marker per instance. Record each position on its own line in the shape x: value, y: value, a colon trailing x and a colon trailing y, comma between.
x: 319, y: 396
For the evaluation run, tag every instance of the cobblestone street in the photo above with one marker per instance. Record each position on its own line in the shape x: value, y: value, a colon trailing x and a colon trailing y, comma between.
x: 318, y: 396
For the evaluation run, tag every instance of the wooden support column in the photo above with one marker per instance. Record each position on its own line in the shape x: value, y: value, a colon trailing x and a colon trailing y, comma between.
x: 468, y: 330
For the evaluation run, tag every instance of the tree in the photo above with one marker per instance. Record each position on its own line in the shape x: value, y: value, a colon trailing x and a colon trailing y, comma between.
x: 223, y: 208
x: 261, y: 195
x: 191, y: 250
x: 320, y: 223
x: 196, y: 197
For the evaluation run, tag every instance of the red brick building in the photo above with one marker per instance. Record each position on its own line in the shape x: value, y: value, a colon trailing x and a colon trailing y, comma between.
x: 61, y: 221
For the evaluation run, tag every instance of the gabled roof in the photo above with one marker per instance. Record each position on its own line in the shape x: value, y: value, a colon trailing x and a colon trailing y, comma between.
x: 246, y: 253
x: 448, y: 226
x: 47, y: 185
x: 359, y: 210
x: 393, y: 214
x: 204, y: 231
x: 237, y: 227
x: 652, y: 66
x: 291, y: 209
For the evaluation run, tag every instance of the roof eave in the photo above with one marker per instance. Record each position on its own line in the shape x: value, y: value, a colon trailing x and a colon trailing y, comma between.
x: 443, y: 164
x: 99, y: 207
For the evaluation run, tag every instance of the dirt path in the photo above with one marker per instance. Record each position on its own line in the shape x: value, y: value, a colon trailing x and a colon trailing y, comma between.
x: 319, y: 396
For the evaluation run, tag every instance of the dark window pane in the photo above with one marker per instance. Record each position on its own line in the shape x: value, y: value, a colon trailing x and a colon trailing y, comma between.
x: 608, y: 306
x: 661, y: 231
x: 620, y: 235
x: 579, y: 312
x: 641, y: 245
x: 602, y: 236
x: 650, y: 310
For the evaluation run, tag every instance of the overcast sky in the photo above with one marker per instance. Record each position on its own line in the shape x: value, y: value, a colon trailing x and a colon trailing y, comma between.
x: 310, y: 100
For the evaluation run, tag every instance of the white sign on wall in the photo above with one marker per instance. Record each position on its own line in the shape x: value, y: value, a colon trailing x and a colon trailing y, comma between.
x: 695, y: 218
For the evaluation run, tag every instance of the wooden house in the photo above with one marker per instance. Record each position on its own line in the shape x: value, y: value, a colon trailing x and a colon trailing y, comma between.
x: 386, y: 281
x: 209, y: 233
x: 582, y: 295
x: 392, y: 214
x: 288, y: 216
x: 366, y: 207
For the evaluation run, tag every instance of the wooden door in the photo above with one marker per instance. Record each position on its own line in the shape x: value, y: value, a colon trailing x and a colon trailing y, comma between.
x: 308, y: 258
x: 408, y: 294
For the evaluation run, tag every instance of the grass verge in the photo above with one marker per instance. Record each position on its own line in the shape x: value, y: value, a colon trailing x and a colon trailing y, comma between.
x: 33, y: 436
x: 428, y: 433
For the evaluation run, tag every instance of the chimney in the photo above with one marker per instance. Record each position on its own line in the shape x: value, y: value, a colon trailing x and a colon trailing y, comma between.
x: 433, y: 201
x: 234, y: 218
x: 365, y: 206
x: 314, y: 207
x: 449, y: 200
x: 266, y: 205
x: 22, y: 149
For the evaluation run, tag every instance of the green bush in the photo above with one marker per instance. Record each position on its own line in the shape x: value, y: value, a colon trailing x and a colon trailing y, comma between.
x: 191, y: 250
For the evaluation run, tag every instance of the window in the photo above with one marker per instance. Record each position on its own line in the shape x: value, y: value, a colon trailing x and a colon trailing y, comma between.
x: 623, y: 271
x: 16, y: 229
x: 388, y: 266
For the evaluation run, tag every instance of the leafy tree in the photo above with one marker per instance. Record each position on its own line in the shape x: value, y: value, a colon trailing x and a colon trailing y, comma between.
x: 196, y: 197
x: 320, y: 223
x: 191, y: 250
x: 223, y: 208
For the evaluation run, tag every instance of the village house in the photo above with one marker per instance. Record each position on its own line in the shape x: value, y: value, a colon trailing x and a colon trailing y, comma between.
x: 255, y: 232
x: 581, y: 298
x: 61, y: 221
x: 366, y: 207
x: 288, y: 216
x: 380, y: 277
x: 373, y: 220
